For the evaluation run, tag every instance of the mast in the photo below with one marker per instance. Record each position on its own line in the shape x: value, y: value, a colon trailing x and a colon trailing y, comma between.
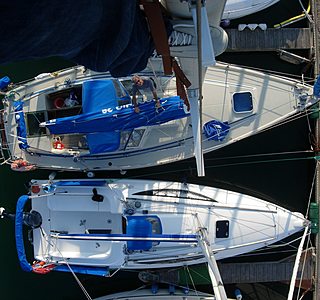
x: 296, y: 264
x: 214, y: 273
x: 205, y: 58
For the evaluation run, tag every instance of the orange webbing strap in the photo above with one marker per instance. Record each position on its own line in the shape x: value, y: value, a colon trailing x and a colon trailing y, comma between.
x: 181, y: 82
x: 152, y: 9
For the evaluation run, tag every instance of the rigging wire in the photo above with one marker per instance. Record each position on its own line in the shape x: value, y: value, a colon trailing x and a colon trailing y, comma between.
x: 286, y: 121
x: 193, y: 285
x: 66, y: 261
x: 311, y: 189
x: 167, y: 171
x: 259, y: 155
x: 273, y: 72
x: 303, y: 267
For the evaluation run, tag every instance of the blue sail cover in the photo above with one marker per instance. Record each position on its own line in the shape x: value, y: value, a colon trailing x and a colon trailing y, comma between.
x: 316, y: 87
x: 4, y: 82
x: 101, y: 113
x: 99, y: 94
x: 216, y: 130
x: 103, y: 142
x: 19, y: 234
x: 119, y: 118
x: 21, y: 125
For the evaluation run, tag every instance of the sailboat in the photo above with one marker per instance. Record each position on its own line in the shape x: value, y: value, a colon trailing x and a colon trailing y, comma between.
x: 80, y: 120
x: 101, y: 131
x: 97, y: 226
x: 161, y: 293
x: 233, y: 9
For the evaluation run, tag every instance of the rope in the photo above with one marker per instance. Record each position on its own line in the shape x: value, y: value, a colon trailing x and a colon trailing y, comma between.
x: 167, y: 171
x: 304, y: 14
x: 193, y: 285
x: 311, y: 189
x: 271, y: 72
x: 72, y: 272
x: 302, y: 269
x: 78, y: 281
x: 292, y: 118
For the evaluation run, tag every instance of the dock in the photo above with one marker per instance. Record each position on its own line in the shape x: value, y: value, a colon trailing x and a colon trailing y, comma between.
x: 316, y: 34
x: 278, y: 271
x: 271, y: 39
x: 315, y: 5
x: 240, y: 273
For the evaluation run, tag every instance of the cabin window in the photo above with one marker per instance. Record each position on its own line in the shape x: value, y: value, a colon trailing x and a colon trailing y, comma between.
x: 33, y: 120
x: 222, y: 229
x: 56, y: 100
x: 130, y: 139
x: 154, y: 220
x: 242, y: 102
x: 156, y: 227
x: 121, y: 93
x: 156, y: 224
x: 127, y: 84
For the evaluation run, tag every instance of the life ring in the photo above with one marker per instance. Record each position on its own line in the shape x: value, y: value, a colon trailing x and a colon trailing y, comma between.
x: 57, y: 144
x: 40, y: 267
x: 22, y: 165
x: 58, y: 102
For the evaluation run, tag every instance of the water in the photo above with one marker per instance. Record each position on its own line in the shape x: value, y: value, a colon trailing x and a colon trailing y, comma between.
x: 284, y: 179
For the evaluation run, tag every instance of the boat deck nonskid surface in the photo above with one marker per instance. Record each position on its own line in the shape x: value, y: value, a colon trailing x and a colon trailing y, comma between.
x: 252, y: 223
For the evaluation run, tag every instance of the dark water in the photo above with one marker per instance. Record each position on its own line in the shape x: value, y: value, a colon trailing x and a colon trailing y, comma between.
x: 284, y: 179
x: 271, y: 171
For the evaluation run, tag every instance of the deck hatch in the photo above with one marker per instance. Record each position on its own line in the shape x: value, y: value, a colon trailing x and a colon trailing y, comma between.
x: 222, y: 229
x: 242, y: 102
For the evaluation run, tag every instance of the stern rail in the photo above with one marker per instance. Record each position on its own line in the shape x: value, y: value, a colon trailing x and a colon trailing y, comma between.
x: 4, y: 148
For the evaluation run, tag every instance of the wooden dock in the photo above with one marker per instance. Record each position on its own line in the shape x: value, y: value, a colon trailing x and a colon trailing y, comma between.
x: 280, y: 271
x: 239, y: 273
x: 316, y: 34
x: 270, y: 39
x: 315, y: 6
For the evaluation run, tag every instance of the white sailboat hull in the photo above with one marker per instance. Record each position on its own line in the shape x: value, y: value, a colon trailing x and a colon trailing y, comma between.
x: 233, y: 9
x: 79, y: 231
x: 270, y: 100
x: 162, y: 294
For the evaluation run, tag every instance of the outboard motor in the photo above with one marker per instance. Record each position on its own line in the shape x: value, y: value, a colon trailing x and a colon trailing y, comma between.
x: 31, y: 219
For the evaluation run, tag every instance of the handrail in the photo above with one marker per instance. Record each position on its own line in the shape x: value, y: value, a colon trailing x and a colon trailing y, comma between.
x: 182, y: 238
x: 4, y: 148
